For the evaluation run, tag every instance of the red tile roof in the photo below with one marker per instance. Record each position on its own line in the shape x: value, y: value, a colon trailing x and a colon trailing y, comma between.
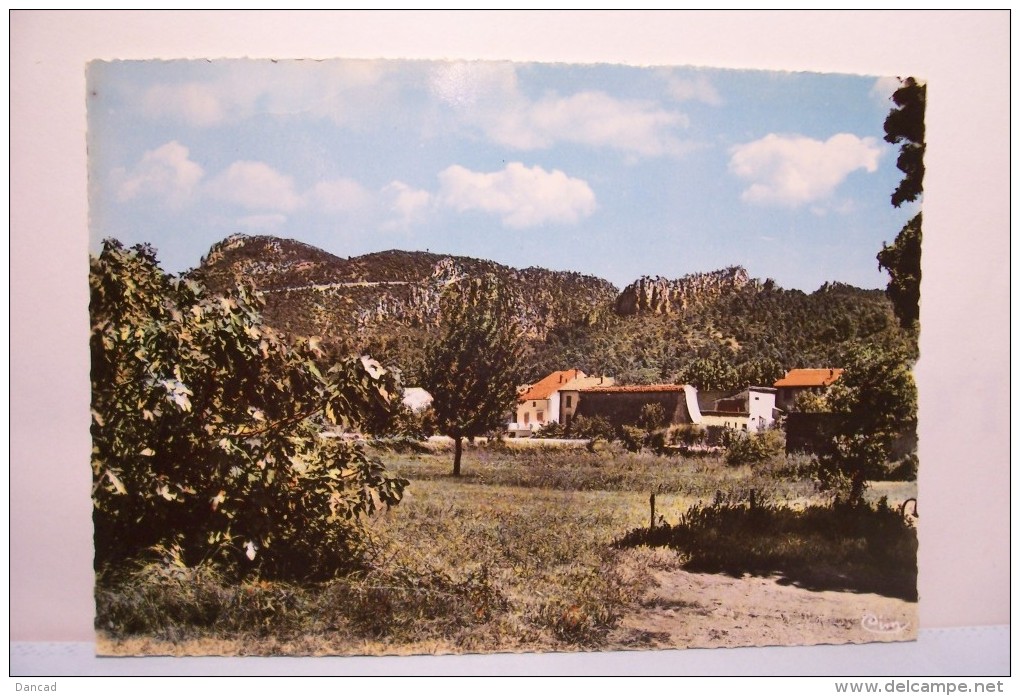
x: 544, y: 388
x: 637, y: 388
x: 809, y: 378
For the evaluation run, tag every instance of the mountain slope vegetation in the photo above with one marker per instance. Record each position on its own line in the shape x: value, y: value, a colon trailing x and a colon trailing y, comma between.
x: 716, y: 330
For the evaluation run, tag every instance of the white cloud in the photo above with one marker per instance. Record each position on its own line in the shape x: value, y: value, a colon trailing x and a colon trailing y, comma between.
x: 883, y: 89
x: 522, y: 197
x: 195, y: 103
x: 256, y: 186
x: 795, y: 170
x: 590, y: 118
x: 694, y: 89
x: 167, y: 173
x: 483, y: 95
x: 463, y: 85
x: 409, y: 204
x: 340, y: 195
x: 338, y: 90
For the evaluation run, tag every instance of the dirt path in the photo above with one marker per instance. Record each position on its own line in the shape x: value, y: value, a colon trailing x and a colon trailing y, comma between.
x: 696, y: 610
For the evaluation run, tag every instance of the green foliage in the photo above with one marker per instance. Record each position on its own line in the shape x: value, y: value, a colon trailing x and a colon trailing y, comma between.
x: 389, y: 305
x: 755, y: 448
x: 810, y: 401
x: 472, y: 369
x: 876, y: 395
x: 205, y: 435
x: 715, y: 373
x: 905, y: 125
x: 861, y: 549
x: 552, y: 429
x: 404, y: 422
x: 687, y: 435
x: 633, y: 438
x: 592, y: 428
x: 903, y: 261
x: 752, y: 335
x: 585, y: 621
x: 652, y: 417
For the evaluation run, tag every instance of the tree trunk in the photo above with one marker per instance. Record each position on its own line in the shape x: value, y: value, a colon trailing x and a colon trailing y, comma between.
x: 857, y: 485
x: 458, y: 446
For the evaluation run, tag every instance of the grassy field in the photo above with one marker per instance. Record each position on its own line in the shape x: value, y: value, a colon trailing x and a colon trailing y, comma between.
x: 518, y: 554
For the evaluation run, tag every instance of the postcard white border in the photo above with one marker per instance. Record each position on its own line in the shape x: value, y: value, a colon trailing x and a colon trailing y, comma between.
x: 964, y: 369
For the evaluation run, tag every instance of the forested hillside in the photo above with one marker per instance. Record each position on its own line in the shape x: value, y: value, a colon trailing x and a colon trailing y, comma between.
x: 716, y: 330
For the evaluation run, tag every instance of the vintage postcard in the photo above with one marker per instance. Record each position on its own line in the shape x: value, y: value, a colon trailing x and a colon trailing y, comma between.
x: 431, y: 357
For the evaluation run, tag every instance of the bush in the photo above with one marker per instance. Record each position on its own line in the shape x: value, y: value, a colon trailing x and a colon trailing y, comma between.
x: 633, y: 439
x: 592, y: 428
x: 687, y: 435
x: 552, y: 429
x: 755, y: 448
x: 205, y: 430
x: 652, y: 417
x: 861, y: 549
x: 418, y: 425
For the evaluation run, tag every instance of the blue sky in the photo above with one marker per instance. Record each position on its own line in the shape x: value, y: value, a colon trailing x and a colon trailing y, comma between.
x: 607, y: 170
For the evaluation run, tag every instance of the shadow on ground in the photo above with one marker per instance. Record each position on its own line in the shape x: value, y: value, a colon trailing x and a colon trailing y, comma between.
x: 860, y: 549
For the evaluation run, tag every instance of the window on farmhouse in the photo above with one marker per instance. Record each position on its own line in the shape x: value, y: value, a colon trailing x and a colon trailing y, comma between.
x: 527, y: 417
x: 540, y: 416
x: 569, y: 401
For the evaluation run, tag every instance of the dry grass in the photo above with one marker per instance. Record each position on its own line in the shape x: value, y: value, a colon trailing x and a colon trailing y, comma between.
x: 516, y: 555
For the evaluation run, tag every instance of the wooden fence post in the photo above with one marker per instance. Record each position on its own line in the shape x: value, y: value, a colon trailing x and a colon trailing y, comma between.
x: 651, y: 503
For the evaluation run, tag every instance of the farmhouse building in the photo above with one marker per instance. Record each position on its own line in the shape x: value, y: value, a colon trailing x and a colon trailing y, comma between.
x: 798, y: 381
x: 623, y: 405
x: 569, y: 396
x: 553, y: 399
x: 751, y: 410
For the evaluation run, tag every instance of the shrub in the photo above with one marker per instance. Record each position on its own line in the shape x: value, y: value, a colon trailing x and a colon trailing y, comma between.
x: 632, y: 438
x: 592, y: 428
x: 418, y: 425
x: 552, y: 429
x: 863, y: 549
x: 205, y: 430
x: 687, y: 434
x: 755, y: 448
x: 652, y: 417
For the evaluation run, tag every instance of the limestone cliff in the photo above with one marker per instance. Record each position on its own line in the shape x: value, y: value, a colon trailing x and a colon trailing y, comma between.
x: 658, y: 295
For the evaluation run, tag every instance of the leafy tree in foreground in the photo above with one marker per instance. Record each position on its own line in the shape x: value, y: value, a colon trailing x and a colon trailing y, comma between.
x: 471, y: 369
x: 875, y: 398
x: 204, y: 430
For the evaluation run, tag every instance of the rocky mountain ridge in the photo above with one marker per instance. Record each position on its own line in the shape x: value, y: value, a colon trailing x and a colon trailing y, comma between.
x: 312, y: 292
x: 717, y: 328
x: 658, y: 295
